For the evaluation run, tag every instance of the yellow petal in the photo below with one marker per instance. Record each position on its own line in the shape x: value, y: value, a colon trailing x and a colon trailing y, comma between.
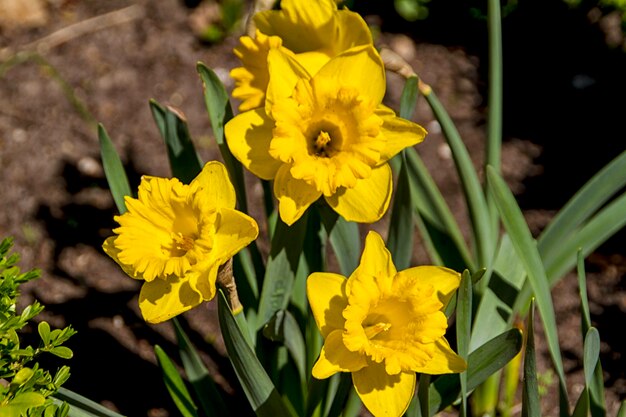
x: 284, y: 72
x: 368, y: 201
x: 294, y: 196
x: 444, y: 280
x: 444, y: 360
x: 248, y: 136
x: 303, y: 25
x: 384, y: 395
x: 359, y: 68
x: 399, y: 134
x: 376, y: 262
x: 214, y: 184
x: 113, y: 251
x: 234, y: 231
x: 327, y: 297
x: 335, y: 357
x: 312, y: 61
x: 351, y: 31
x: 162, y: 299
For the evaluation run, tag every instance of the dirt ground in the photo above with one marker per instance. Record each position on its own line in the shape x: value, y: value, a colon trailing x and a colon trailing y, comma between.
x: 560, y: 128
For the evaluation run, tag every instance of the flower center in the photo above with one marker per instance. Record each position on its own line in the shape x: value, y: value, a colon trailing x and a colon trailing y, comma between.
x: 375, y: 329
x: 182, y: 243
x: 322, y: 146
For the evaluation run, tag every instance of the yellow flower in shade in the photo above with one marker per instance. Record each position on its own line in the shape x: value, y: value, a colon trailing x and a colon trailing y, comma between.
x: 383, y: 326
x: 176, y: 236
x: 324, y: 135
x: 314, y: 30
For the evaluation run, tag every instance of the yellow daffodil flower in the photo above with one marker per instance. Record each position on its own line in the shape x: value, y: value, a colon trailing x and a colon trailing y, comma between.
x: 176, y: 236
x: 383, y: 326
x: 324, y: 135
x: 314, y: 30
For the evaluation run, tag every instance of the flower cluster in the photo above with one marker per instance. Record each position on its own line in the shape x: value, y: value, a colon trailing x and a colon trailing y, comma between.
x: 311, y: 87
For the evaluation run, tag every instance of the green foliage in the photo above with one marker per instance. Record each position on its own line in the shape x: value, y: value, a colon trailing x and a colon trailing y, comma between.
x: 25, y: 387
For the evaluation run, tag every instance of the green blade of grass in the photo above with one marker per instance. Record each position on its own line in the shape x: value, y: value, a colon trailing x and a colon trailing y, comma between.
x: 257, y: 385
x: 113, y: 170
x: 184, y: 160
x: 527, y: 252
x: 206, y: 391
x: 175, y: 384
x: 531, y: 406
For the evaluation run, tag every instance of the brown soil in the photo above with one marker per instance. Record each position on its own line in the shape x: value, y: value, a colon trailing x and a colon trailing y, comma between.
x: 57, y: 206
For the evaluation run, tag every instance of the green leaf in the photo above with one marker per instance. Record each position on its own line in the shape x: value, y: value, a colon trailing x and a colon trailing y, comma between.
x: 113, y: 170
x: 531, y: 406
x: 44, y: 332
x: 438, y: 226
x: 258, y: 387
x: 622, y: 410
x: 22, y: 402
x: 400, y: 235
x: 62, y: 352
x: 209, y: 397
x: 604, y: 184
x: 281, y: 268
x: 408, y: 99
x: 463, y: 329
x: 344, y: 239
x: 476, y: 204
x: 591, y: 355
x: 175, y: 384
x: 184, y: 161
x: 283, y: 328
x: 481, y: 363
x: 527, y: 252
x: 82, y: 406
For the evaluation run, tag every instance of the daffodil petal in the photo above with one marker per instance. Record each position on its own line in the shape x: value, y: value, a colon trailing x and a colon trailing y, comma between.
x: 444, y: 360
x: 113, y: 251
x: 360, y: 68
x: 352, y: 31
x: 376, y: 261
x: 399, y: 134
x: 294, y: 196
x: 162, y: 299
x: 248, y: 136
x: 215, y: 186
x: 313, y: 60
x: 303, y: 25
x: 384, y: 395
x: 368, y: 201
x: 335, y: 357
x: 327, y: 297
x: 444, y: 280
x: 284, y: 71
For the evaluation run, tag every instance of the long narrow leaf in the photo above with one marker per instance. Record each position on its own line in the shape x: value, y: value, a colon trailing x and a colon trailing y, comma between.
x: 184, y: 160
x: 481, y: 363
x: 530, y: 393
x: 596, y: 386
x: 258, y: 387
x: 175, y: 384
x: 344, y: 239
x: 82, y: 404
x: 602, y: 186
x: 526, y: 250
x: 283, y: 328
x: 281, y: 268
x: 477, y: 206
x: 113, y: 170
x: 463, y: 328
x: 591, y: 354
x: 440, y: 226
x: 206, y: 391
x: 400, y: 235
